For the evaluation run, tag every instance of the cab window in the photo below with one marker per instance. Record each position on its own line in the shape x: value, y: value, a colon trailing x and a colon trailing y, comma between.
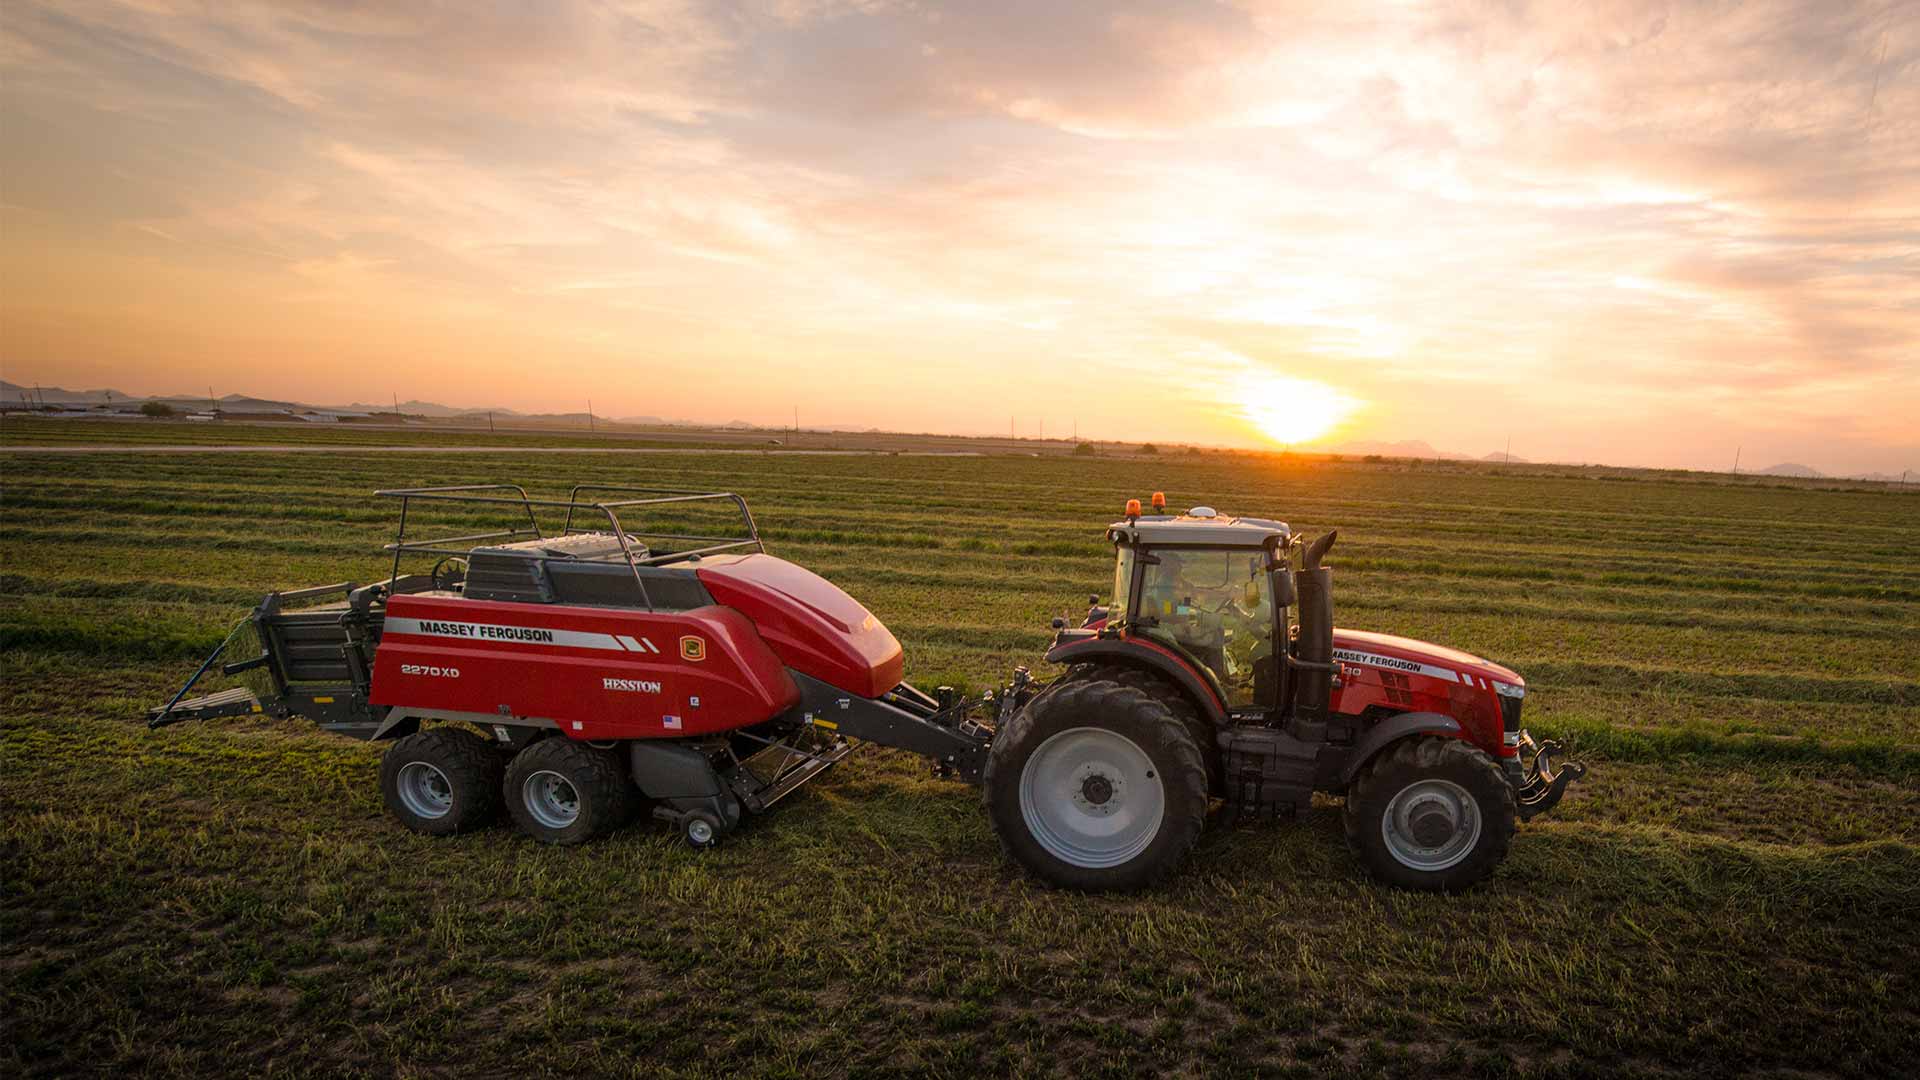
x: 1218, y: 606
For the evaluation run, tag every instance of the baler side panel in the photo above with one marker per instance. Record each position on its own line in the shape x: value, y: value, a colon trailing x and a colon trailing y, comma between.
x: 601, y: 673
x: 812, y: 624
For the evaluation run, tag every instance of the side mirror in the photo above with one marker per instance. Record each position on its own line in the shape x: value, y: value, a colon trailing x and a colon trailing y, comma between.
x: 1284, y: 594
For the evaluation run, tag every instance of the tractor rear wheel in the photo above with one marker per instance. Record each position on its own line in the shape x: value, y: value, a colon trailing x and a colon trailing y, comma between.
x: 562, y: 792
x: 441, y: 781
x: 1432, y: 813
x: 1097, y: 785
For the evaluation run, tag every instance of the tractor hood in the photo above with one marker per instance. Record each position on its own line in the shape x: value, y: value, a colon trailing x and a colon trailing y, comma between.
x: 814, y: 627
x: 1417, y: 657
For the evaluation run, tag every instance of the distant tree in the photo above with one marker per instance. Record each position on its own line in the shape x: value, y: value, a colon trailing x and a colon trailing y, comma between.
x: 159, y: 410
x: 1149, y: 448
x: 1374, y: 459
x: 1085, y: 449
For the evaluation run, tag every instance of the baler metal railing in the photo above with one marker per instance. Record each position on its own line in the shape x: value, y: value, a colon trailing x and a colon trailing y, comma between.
x: 478, y: 494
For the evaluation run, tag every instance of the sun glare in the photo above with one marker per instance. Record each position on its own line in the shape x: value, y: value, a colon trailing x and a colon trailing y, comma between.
x: 1289, y: 410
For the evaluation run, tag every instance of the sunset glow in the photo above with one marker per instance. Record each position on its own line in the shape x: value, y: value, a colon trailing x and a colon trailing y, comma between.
x: 1639, y: 234
x: 1292, y: 411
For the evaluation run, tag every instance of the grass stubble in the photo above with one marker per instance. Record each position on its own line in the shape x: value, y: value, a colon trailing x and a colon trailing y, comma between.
x: 1734, y: 891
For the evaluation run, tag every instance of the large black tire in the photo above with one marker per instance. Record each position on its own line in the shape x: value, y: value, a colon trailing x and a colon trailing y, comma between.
x: 1158, y: 686
x: 563, y: 792
x: 442, y: 781
x: 1171, y: 766
x: 1397, y: 770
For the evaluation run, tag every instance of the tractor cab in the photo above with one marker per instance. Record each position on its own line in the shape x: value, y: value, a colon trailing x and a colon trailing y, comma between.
x: 1212, y: 589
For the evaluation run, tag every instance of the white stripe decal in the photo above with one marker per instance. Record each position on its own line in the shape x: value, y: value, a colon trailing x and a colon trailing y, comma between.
x: 1394, y: 663
x: 527, y: 635
x: 650, y: 645
x: 628, y: 643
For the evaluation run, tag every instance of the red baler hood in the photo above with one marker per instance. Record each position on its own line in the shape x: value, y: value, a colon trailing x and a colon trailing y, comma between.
x: 1423, y: 653
x: 814, y: 627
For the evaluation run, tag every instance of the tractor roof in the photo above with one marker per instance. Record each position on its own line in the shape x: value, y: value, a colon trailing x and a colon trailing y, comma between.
x: 1200, y: 527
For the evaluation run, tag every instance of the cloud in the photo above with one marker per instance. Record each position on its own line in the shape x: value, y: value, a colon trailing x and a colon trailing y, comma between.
x: 1581, y: 208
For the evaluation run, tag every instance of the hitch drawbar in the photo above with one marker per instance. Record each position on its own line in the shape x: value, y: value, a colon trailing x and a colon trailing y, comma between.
x: 1537, y: 786
x: 906, y: 718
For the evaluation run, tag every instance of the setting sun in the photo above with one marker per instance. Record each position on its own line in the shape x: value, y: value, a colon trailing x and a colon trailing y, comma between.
x: 1289, y: 410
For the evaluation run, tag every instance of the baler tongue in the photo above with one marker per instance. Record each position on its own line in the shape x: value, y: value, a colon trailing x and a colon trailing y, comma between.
x: 238, y: 701
x: 243, y: 641
x: 783, y: 768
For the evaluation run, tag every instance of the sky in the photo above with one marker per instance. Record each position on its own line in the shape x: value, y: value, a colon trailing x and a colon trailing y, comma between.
x: 1634, y: 233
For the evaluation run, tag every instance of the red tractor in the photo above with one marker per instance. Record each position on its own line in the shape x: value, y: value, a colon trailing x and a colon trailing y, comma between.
x: 579, y: 677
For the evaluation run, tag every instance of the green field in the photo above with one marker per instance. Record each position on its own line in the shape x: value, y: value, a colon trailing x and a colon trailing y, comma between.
x: 1734, y: 891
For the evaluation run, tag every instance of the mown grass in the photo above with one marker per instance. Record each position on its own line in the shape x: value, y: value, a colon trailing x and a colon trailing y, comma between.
x: 1734, y: 891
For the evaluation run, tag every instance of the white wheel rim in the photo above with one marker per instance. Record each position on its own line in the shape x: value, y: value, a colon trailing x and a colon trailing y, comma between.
x: 1092, y: 798
x: 1431, y: 825
x: 550, y: 799
x: 425, y: 791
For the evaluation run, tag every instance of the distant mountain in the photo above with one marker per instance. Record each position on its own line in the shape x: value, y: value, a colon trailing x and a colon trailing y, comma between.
x: 1408, y: 448
x: 1790, y: 469
x: 425, y: 408
x: 1505, y: 458
x: 54, y: 395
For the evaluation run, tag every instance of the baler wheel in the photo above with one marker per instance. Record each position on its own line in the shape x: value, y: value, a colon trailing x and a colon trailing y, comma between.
x: 1097, y: 785
x: 441, y: 781
x: 701, y: 829
x: 562, y: 792
x: 1432, y: 813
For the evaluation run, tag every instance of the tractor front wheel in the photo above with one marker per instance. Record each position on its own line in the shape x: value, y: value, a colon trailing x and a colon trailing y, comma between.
x: 1097, y: 785
x: 441, y: 781
x: 562, y: 792
x: 1432, y: 813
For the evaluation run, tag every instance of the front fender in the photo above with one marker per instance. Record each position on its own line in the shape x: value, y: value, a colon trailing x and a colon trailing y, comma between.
x: 1392, y: 730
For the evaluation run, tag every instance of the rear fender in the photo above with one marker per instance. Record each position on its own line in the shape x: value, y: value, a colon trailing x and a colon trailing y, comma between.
x: 1143, y: 655
x: 1392, y: 730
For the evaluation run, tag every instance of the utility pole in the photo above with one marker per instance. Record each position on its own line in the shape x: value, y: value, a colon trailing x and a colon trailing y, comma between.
x: 489, y: 421
x: 590, y: 416
x: 396, y: 406
x: 1507, y: 457
x: 1736, y: 459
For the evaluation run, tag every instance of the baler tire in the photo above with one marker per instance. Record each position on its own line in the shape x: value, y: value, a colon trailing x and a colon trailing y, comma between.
x: 1406, y: 763
x: 460, y: 760
x: 1160, y: 687
x: 1141, y: 719
x: 604, y: 794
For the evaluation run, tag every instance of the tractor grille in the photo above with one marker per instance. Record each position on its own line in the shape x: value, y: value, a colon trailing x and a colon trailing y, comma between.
x: 1510, y: 713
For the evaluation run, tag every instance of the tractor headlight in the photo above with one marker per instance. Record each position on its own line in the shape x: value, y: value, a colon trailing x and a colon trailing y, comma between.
x: 1509, y: 690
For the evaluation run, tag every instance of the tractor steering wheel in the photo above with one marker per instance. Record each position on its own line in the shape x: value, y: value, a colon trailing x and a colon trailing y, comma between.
x: 449, y: 572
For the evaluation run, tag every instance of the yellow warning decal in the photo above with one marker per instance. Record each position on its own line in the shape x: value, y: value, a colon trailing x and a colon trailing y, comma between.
x: 256, y: 707
x: 828, y: 724
x: 323, y: 701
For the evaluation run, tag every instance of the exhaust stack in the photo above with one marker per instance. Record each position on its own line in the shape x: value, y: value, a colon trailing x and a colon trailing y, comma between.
x: 1313, y: 651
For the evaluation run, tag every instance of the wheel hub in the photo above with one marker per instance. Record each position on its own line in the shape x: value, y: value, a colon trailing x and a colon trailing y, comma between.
x: 425, y: 790
x: 1091, y: 797
x: 1432, y: 828
x: 1096, y: 789
x: 1431, y: 825
x: 550, y: 799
